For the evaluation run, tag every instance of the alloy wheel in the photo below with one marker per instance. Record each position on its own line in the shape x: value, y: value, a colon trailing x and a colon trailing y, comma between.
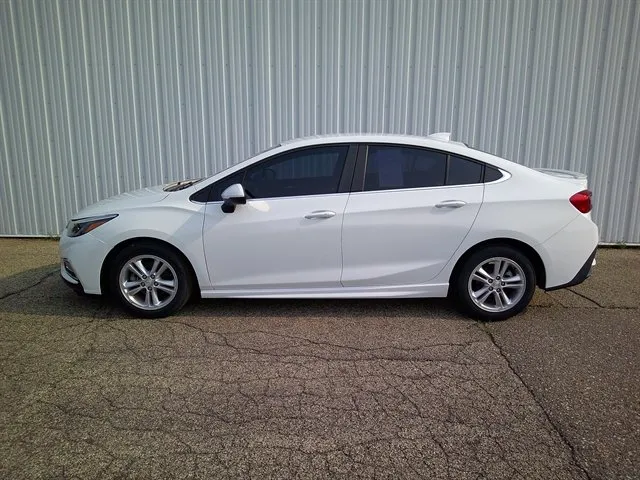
x: 497, y: 284
x: 148, y: 282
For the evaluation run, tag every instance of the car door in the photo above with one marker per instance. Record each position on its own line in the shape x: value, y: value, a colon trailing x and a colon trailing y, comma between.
x: 287, y: 235
x: 412, y: 210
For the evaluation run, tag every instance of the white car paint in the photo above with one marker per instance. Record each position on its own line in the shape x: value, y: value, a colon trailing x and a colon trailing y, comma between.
x: 271, y: 244
x: 579, y: 179
x: 378, y: 244
x: 422, y: 230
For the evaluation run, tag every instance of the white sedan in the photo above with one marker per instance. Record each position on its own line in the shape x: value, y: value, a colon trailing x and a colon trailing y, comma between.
x: 348, y: 216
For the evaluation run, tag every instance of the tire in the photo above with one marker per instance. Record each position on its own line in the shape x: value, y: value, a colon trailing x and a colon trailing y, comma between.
x: 135, y: 284
x: 485, y: 294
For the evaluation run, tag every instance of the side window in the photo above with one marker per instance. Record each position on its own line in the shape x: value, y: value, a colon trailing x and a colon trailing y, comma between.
x: 308, y: 171
x: 392, y: 166
x: 221, y: 185
x: 463, y: 172
x: 491, y: 174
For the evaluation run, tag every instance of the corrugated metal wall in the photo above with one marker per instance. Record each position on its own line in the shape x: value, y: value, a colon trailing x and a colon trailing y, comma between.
x: 99, y: 97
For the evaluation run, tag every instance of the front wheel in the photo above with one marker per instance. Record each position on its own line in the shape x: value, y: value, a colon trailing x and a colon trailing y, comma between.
x: 150, y: 280
x: 495, y: 283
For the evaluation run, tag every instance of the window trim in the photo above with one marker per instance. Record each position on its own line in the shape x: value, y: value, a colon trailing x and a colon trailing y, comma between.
x: 344, y: 184
x: 350, y: 162
x: 204, y: 192
x: 357, y: 184
x: 504, y: 175
x: 363, y: 159
x: 483, y: 167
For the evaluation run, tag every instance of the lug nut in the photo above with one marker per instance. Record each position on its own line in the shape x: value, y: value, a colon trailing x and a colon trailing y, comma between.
x: 149, y: 288
x: 502, y: 284
x: 144, y: 276
x: 490, y: 289
x: 142, y: 284
x: 155, y: 283
x: 499, y: 290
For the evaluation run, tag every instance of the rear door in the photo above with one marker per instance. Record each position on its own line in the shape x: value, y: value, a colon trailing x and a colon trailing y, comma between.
x: 409, y: 211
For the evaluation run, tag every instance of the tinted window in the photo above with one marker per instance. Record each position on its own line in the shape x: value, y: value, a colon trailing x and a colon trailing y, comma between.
x: 202, y: 195
x: 463, y: 172
x: 221, y: 185
x: 391, y: 167
x: 491, y: 174
x: 309, y: 171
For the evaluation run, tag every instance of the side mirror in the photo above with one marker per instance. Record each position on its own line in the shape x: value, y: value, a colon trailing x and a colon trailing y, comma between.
x: 232, y: 196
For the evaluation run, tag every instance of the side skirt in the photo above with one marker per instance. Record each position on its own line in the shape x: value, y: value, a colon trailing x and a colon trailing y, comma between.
x: 403, y: 291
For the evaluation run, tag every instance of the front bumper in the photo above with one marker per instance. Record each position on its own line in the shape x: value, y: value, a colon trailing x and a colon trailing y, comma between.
x: 581, y: 276
x: 81, y: 260
x: 69, y: 277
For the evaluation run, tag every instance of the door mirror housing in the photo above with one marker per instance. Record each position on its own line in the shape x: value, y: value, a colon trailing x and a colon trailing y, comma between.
x: 232, y: 196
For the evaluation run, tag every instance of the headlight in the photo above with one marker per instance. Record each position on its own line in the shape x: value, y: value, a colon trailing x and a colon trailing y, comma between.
x: 80, y: 226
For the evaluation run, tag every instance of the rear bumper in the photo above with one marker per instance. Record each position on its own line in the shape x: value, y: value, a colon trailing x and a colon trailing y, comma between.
x: 581, y: 276
x: 567, y: 252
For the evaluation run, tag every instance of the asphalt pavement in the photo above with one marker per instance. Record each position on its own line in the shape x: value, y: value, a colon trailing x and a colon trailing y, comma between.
x: 317, y: 389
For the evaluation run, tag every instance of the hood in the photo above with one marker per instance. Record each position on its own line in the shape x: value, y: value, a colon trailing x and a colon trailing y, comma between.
x: 136, y: 198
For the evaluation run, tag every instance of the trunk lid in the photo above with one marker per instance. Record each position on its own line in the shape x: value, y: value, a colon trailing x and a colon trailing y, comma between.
x: 577, y: 178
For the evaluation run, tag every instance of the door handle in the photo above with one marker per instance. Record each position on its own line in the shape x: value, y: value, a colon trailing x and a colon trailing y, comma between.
x: 451, y: 204
x: 320, y: 214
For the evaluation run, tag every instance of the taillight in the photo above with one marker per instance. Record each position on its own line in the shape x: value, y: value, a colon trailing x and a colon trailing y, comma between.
x: 582, y: 201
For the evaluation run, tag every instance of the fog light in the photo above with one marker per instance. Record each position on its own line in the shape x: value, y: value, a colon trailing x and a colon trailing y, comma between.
x: 69, y: 269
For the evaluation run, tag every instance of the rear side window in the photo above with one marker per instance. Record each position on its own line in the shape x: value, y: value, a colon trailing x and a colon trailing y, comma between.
x: 392, y: 167
x: 461, y: 171
x: 491, y: 174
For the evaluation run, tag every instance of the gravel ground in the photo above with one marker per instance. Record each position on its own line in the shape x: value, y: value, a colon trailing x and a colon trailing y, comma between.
x: 317, y: 389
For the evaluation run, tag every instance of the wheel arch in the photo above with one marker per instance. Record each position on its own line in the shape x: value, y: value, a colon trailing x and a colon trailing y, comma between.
x: 113, y: 253
x: 525, y: 249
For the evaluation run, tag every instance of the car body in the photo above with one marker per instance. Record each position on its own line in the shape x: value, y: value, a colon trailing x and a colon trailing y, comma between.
x: 341, y: 216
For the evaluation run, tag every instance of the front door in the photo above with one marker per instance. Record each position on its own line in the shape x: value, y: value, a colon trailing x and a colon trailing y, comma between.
x: 288, y: 234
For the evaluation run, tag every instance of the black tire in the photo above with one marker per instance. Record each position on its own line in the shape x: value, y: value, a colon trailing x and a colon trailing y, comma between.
x: 176, y: 272
x: 522, y: 267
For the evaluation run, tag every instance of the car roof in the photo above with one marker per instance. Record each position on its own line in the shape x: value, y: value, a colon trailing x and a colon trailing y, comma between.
x: 443, y: 137
x: 439, y: 141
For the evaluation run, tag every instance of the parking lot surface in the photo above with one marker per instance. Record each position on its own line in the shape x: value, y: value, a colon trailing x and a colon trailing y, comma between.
x: 317, y: 389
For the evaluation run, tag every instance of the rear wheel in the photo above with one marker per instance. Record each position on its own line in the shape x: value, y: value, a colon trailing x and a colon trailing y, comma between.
x: 495, y: 283
x: 150, y: 280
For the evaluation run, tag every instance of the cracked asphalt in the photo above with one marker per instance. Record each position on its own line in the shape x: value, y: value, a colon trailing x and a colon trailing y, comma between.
x: 317, y: 389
